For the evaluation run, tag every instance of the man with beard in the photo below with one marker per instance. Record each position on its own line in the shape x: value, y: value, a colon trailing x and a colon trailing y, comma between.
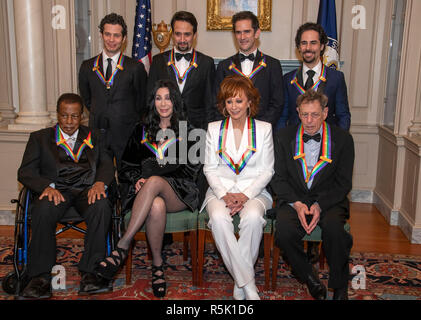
x: 192, y: 70
x: 311, y: 41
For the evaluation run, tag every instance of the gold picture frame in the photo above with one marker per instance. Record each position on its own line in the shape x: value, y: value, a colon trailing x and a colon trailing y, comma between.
x: 219, y: 13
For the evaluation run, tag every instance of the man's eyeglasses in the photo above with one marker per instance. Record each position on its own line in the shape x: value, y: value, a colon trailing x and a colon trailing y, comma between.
x: 313, y: 115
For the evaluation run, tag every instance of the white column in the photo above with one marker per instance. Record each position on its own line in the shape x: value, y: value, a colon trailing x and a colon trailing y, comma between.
x: 415, y: 128
x: 30, y: 48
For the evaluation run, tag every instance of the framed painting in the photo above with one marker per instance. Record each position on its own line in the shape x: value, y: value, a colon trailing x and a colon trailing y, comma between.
x: 220, y: 12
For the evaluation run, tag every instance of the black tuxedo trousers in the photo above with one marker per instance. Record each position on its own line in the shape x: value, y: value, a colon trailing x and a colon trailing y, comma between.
x: 45, y: 215
x: 336, y: 242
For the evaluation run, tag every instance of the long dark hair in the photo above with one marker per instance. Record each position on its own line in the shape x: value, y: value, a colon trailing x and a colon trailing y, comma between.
x: 152, y: 119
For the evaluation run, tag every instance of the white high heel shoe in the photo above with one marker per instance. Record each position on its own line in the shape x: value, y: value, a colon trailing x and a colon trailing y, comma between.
x: 238, y: 293
x: 251, y: 291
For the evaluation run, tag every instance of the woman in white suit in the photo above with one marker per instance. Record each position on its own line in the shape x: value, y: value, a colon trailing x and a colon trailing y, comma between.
x: 238, y: 165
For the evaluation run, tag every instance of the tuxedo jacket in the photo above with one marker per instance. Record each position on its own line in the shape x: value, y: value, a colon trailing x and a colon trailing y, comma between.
x: 198, y: 90
x: 257, y: 173
x: 119, y: 108
x: 39, y: 167
x: 330, y: 186
x: 334, y: 88
x: 268, y: 80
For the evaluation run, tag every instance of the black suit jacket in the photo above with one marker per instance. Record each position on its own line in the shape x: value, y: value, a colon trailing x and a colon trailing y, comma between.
x: 268, y: 81
x: 198, y: 89
x: 334, y: 88
x: 119, y: 108
x: 39, y: 164
x: 330, y: 186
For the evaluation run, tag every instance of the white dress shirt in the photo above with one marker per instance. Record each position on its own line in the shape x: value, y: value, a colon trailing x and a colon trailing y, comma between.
x: 317, y: 69
x: 71, y: 140
x: 312, y: 150
x: 247, y: 65
x: 114, y: 62
x: 182, y: 65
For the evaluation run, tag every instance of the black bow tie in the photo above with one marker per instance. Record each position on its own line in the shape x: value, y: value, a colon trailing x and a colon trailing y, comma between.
x: 187, y: 56
x: 244, y: 57
x: 307, y: 137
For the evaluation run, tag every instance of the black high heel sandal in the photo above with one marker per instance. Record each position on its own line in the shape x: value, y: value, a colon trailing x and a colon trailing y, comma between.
x: 112, y: 267
x: 159, y: 289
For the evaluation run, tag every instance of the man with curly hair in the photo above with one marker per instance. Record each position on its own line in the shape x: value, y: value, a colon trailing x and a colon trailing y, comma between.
x: 113, y: 86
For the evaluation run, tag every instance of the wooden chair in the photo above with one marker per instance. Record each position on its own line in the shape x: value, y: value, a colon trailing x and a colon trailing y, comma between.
x: 203, y: 229
x: 177, y: 222
x: 315, y: 236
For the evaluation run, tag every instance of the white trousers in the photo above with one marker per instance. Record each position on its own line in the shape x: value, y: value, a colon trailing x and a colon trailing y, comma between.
x: 239, y: 255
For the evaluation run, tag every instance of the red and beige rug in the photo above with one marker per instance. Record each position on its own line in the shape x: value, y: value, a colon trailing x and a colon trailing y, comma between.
x: 387, y: 277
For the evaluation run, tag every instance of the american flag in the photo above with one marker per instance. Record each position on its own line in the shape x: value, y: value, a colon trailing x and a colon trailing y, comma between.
x: 142, y: 38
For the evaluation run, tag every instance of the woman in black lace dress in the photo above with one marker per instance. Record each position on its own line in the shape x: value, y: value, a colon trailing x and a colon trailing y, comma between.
x: 156, y: 179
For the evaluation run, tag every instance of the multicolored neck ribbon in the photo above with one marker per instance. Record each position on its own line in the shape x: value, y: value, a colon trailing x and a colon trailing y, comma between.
x: 159, y: 151
x: 325, y: 158
x: 61, y: 142
x: 108, y: 82
x: 262, y: 64
x: 322, y: 78
x: 251, y: 148
x: 193, y: 65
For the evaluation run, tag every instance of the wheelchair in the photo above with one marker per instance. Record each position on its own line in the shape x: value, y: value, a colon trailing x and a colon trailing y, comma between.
x: 15, y: 281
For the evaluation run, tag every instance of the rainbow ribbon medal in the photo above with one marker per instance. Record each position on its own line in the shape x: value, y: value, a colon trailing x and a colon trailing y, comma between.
x: 322, y: 78
x: 251, y: 149
x: 61, y: 142
x: 108, y: 83
x: 193, y: 64
x: 262, y: 64
x: 158, y: 151
x: 325, y: 158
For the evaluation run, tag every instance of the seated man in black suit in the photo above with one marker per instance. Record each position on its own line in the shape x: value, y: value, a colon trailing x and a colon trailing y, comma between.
x: 66, y: 165
x: 313, y: 176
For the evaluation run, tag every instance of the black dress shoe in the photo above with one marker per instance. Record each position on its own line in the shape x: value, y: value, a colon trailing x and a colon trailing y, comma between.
x: 93, y: 284
x: 38, y: 288
x: 340, y: 294
x: 317, y: 289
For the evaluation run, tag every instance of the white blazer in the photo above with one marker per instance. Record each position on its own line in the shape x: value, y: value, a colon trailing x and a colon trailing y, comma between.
x: 258, y: 172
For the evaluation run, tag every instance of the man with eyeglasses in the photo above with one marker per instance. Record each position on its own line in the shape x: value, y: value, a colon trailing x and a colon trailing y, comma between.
x: 313, y: 176
x: 311, y: 41
x: 66, y: 165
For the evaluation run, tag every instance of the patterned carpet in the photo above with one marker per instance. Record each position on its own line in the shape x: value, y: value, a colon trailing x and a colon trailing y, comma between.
x: 388, y: 277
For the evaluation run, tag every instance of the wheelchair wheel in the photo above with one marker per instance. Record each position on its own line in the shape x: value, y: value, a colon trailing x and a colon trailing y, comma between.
x: 10, y: 283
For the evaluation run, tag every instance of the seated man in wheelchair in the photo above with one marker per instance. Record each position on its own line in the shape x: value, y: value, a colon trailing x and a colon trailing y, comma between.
x: 66, y: 165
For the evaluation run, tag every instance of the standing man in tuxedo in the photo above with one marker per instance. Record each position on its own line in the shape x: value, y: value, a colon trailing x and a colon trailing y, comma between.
x: 264, y: 71
x: 113, y: 86
x: 311, y: 41
x: 193, y: 71
x: 313, y: 176
x: 66, y: 165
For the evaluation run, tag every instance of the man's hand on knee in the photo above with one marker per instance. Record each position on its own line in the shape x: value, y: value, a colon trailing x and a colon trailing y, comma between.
x: 96, y: 191
x: 53, y: 195
x: 315, y: 211
x: 302, y: 212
